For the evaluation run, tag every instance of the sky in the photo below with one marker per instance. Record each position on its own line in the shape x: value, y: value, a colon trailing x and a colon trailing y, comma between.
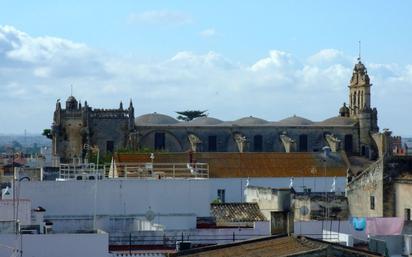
x: 268, y: 59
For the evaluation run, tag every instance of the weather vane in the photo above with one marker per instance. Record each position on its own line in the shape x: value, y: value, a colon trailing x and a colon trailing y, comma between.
x: 359, y: 58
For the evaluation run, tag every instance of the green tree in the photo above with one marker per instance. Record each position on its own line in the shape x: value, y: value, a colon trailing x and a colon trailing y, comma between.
x: 47, y: 133
x: 190, y: 115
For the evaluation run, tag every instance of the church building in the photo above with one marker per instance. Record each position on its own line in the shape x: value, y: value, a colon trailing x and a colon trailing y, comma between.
x: 76, y: 128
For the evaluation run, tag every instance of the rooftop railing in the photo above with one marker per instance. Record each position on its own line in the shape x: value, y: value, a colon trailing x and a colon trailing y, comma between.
x: 91, y: 171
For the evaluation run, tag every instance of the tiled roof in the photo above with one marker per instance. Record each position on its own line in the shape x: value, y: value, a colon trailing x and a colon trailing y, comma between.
x: 236, y: 212
x: 279, y: 246
x: 237, y: 165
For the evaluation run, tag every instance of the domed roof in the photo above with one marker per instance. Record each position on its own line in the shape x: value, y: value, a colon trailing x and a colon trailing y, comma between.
x: 250, y: 121
x: 295, y: 121
x: 204, y: 121
x: 343, y: 109
x: 154, y: 119
x: 337, y: 121
x: 71, y: 99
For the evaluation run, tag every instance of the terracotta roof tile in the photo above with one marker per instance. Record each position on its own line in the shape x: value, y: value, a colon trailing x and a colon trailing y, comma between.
x: 236, y: 212
x: 233, y: 165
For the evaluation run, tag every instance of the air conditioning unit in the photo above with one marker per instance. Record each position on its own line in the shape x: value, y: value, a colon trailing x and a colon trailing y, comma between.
x: 408, y: 245
x: 183, y: 245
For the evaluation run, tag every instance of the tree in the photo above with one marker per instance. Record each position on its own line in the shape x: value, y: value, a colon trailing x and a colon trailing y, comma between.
x: 190, y: 115
x: 47, y: 133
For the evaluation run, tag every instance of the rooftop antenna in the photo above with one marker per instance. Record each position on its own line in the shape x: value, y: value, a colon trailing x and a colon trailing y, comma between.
x: 359, y: 57
x: 71, y: 89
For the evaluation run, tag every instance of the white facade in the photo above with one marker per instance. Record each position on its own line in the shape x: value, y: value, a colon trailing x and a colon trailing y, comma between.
x: 234, y: 187
x: 118, y: 203
x: 55, y: 245
x: 122, y: 204
x: 21, y: 209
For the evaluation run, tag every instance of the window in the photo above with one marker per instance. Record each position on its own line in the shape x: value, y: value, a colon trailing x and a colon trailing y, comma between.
x: 221, y: 195
x: 212, y: 144
x: 372, y: 202
x: 407, y: 214
x: 348, y: 143
x: 363, y: 150
x: 258, y: 143
x: 303, y: 143
x: 159, y: 141
x: 307, y: 190
x: 109, y: 146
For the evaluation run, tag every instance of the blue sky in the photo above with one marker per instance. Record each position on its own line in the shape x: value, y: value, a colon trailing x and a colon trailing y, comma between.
x: 270, y: 59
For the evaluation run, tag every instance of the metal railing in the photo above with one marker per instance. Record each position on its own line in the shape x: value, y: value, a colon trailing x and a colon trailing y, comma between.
x: 81, y: 171
x: 91, y: 171
x: 170, y: 239
x: 161, y: 170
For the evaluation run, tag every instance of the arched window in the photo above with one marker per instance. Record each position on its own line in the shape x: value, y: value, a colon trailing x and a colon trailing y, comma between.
x: 212, y: 143
x: 159, y: 141
x: 303, y: 143
x: 348, y: 144
x: 362, y: 104
x: 354, y: 99
x: 258, y: 143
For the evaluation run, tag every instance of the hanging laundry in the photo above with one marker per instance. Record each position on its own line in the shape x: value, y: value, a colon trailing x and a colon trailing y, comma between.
x: 359, y: 224
x: 384, y: 226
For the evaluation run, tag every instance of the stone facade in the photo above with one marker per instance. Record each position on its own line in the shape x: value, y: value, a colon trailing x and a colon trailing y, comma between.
x: 317, y: 206
x: 383, y: 189
x: 76, y: 129
x: 110, y: 130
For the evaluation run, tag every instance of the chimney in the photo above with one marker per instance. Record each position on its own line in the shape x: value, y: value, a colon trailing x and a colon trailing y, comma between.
x: 38, y: 216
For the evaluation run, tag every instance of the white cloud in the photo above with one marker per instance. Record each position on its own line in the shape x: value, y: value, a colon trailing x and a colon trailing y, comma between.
x: 160, y: 17
x: 276, y: 60
x: 210, y: 32
x: 34, y: 71
x: 328, y: 57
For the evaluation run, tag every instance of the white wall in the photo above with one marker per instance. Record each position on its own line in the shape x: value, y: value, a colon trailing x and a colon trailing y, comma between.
x: 315, y: 228
x: 118, y: 197
x: 335, y: 237
x: 196, y: 236
x: 23, y: 211
x: 56, y: 245
x: 176, y: 203
x: 234, y: 187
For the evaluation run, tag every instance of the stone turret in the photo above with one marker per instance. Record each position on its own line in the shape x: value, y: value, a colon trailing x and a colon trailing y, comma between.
x: 71, y: 103
x: 131, y: 116
x: 344, y: 111
x: 360, y: 108
x: 359, y: 90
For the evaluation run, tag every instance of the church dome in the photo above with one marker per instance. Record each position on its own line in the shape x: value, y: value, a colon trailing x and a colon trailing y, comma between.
x: 250, y: 121
x: 204, y: 121
x: 71, y: 103
x: 344, y: 111
x: 295, y: 121
x: 154, y: 119
x: 337, y: 121
x: 71, y: 99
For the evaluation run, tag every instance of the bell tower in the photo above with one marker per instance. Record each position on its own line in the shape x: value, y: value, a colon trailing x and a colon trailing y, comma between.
x: 359, y: 90
x: 360, y: 108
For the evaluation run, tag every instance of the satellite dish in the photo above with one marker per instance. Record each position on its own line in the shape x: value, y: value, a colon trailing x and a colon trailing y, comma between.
x: 150, y: 215
x: 304, y: 210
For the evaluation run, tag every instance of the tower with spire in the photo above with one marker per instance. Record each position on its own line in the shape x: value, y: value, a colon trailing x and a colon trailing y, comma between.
x: 360, y: 107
